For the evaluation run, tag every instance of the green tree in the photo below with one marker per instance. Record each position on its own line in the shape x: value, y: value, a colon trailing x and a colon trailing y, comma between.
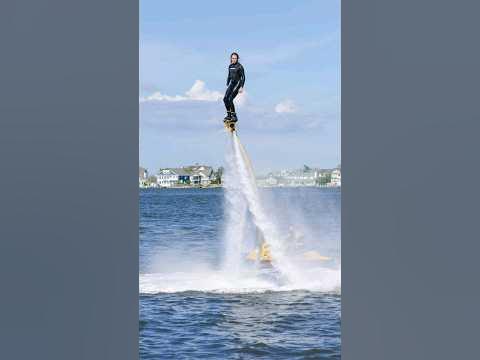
x: 325, y: 179
x: 218, y: 176
x: 152, y: 179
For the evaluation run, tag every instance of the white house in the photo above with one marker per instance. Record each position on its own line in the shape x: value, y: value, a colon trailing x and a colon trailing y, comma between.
x: 167, y: 177
x: 201, y: 175
x: 267, y: 181
x: 336, y: 179
x: 302, y: 177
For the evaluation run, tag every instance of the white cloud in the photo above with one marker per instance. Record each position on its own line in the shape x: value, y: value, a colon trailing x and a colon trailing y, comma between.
x: 198, y: 92
x: 201, y: 110
x: 157, y: 96
x: 285, y: 106
x: 206, y: 116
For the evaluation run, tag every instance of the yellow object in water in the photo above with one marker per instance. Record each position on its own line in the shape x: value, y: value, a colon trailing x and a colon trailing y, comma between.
x: 265, y: 252
x: 262, y: 255
x: 315, y: 256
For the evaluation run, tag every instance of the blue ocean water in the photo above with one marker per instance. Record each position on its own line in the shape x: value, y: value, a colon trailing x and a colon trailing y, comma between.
x: 188, y: 313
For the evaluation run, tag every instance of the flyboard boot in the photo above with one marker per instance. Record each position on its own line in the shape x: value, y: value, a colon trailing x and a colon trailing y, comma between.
x: 228, y: 117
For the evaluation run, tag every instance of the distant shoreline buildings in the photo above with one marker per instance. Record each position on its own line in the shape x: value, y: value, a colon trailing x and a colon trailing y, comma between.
x: 206, y: 176
x: 305, y: 176
x: 187, y: 176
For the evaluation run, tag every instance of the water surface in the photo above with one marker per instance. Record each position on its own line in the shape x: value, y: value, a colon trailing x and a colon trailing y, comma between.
x: 188, y: 310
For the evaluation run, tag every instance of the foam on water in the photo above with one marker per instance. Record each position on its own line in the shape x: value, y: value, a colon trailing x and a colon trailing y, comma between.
x: 218, y: 281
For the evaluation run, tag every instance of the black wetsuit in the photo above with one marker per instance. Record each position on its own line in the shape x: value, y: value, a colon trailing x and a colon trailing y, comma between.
x: 235, y: 81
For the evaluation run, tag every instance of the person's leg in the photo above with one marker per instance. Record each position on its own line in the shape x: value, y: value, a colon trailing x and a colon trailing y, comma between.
x: 231, y: 98
x: 227, y: 102
x: 227, y: 98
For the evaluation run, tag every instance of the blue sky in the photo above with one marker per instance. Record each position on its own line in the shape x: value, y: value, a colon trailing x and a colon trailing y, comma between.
x: 290, y: 112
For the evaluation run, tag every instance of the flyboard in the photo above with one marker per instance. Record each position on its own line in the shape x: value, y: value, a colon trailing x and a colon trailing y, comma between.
x: 230, y: 125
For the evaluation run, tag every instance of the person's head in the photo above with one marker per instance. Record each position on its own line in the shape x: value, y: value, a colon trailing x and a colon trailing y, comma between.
x: 234, y: 58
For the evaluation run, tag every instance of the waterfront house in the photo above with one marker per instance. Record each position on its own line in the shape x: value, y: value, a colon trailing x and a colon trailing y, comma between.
x: 183, y: 176
x: 300, y: 177
x: 167, y: 177
x: 336, y: 179
x: 142, y: 177
x: 201, y: 175
x: 267, y: 181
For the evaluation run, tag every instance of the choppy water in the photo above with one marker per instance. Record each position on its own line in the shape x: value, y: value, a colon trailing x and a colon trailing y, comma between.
x: 191, y: 310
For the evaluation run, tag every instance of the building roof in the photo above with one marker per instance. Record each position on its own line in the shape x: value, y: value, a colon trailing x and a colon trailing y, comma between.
x: 199, y: 170
x: 167, y: 171
x: 181, y: 172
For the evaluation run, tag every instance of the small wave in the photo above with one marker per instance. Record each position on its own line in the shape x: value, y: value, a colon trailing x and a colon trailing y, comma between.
x: 322, y: 280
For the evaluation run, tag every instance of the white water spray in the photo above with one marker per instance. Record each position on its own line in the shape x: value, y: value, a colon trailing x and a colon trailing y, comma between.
x: 241, y: 195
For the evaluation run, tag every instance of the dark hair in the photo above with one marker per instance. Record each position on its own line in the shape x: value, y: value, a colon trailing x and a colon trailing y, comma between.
x: 234, y: 53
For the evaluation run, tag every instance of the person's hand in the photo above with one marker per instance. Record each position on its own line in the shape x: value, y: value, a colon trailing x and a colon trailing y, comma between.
x: 240, y: 90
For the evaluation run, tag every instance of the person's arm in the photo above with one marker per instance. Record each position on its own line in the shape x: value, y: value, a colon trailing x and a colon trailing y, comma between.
x: 242, y: 77
x: 228, y: 77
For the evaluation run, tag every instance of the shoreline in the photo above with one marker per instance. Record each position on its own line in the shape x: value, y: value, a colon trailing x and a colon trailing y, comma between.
x: 220, y: 186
